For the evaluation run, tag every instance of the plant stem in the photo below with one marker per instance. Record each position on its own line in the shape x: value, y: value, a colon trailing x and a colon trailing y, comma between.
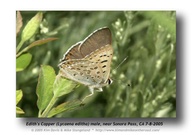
x: 20, y: 45
x: 24, y: 50
x: 49, y: 107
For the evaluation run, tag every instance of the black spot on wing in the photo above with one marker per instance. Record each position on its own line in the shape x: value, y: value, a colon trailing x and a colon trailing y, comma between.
x: 104, y: 66
x: 103, y: 61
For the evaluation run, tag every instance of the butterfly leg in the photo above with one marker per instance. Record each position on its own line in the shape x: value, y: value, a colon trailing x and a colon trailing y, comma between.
x: 92, y: 92
x: 100, y: 90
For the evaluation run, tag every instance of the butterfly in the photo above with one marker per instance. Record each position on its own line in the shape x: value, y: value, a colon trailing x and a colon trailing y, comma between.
x: 88, y: 62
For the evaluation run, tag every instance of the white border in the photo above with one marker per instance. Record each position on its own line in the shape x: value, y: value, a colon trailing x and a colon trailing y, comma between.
x: 8, y: 78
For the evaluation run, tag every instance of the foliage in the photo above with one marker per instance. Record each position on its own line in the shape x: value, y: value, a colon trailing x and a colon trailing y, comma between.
x: 143, y: 86
x: 49, y: 87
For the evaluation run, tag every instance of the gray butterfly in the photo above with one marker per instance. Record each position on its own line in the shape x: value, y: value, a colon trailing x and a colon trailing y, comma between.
x: 88, y: 62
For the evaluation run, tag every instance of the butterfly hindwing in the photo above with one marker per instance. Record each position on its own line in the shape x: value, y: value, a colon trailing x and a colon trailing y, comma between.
x: 102, y: 57
x: 82, y: 71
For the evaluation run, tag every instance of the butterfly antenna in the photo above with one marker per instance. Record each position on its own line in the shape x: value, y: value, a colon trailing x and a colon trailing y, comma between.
x: 121, y: 63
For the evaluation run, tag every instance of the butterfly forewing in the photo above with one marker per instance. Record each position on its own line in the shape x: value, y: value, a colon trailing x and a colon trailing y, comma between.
x: 73, y: 53
x: 95, y: 41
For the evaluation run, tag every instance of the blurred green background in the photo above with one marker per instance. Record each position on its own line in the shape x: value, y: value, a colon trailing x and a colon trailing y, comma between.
x: 143, y: 86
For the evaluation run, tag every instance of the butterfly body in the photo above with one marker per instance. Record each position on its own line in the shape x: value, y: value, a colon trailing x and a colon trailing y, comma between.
x: 88, y: 62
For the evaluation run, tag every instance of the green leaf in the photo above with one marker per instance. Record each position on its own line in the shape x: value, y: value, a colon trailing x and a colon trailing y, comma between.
x: 41, y: 42
x: 45, y: 86
x: 63, y: 86
x: 139, y: 103
x: 19, y: 22
x: 31, y: 27
x: 64, y: 107
x: 23, y: 61
x: 19, y: 111
x: 19, y: 95
x: 60, y: 87
x: 36, y: 43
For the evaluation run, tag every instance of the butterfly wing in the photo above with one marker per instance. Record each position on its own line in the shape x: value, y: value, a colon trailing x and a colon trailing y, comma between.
x: 83, y: 71
x: 72, y: 53
x: 88, y: 62
x: 94, y: 41
x: 102, y: 57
